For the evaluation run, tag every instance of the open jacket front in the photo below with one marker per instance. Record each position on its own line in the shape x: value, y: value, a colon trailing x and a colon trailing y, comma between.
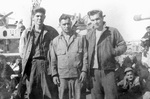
x: 48, y: 34
x: 110, y: 45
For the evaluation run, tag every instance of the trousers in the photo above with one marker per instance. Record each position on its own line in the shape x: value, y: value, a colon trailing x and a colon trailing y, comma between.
x: 70, y: 88
x: 104, y: 86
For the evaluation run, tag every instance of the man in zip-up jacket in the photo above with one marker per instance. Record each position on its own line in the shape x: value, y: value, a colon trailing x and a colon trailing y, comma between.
x: 104, y: 44
x: 69, y: 60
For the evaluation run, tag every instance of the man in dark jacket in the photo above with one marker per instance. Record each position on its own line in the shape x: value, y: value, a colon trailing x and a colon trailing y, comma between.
x: 104, y: 43
x: 35, y: 71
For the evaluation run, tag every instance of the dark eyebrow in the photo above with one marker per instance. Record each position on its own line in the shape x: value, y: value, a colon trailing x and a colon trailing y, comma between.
x: 66, y: 23
x: 39, y: 15
x: 96, y: 19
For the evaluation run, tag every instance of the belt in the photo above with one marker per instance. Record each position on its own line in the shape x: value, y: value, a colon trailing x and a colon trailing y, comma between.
x: 40, y: 58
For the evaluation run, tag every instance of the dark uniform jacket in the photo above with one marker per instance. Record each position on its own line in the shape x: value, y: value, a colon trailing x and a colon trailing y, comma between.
x: 110, y: 44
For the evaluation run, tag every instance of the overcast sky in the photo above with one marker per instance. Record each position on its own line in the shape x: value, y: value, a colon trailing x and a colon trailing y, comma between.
x: 119, y: 13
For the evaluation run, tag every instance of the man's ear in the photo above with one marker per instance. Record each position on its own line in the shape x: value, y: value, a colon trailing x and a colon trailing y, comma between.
x: 44, y: 16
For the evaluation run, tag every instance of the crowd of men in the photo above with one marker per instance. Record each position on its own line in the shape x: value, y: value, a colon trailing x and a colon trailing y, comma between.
x: 62, y: 65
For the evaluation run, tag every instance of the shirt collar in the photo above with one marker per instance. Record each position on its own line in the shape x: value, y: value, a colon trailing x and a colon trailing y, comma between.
x: 74, y: 34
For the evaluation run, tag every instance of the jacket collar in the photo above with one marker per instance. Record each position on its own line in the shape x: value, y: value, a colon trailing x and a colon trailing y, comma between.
x: 44, y: 31
x: 104, y: 29
x: 74, y: 35
x: 92, y: 31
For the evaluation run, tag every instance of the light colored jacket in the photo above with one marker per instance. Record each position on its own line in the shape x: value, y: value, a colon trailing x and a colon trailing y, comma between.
x: 68, y: 60
x: 48, y: 34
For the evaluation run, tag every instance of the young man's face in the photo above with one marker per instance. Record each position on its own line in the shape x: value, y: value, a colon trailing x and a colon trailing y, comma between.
x: 38, y: 18
x: 130, y: 75
x: 65, y: 25
x: 96, y: 20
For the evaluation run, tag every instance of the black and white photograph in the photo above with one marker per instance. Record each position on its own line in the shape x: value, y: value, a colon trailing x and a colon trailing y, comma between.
x: 75, y: 49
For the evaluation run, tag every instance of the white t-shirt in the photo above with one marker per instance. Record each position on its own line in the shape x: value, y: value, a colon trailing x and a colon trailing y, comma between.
x: 98, y: 35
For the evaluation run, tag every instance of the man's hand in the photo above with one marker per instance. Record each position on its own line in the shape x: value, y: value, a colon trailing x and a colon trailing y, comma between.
x: 13, y: 76
x: 56, y: 80
x: 82, y: 76
x: 125, y: 84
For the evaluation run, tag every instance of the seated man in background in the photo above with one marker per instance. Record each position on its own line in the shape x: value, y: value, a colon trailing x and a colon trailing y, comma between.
x: 15, y: 78
x: 129, y: 87
x: 145, y: 41
x: 119, y: 73
x: 6, y: 72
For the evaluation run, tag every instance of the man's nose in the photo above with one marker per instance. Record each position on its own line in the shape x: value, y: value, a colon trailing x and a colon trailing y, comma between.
x: 40, y: 17
x: 67, y: 25
x: 95, y: 21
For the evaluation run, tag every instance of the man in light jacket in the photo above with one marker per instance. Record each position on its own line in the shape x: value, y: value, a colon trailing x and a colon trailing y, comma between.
x: 69, y: 60
x: 35, y: 71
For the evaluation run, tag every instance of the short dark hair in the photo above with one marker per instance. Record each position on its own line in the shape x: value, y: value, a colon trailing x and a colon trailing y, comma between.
x: 93, y: 12
x: 147, y: 27
x: 39, y: 9
x: 64, y: 16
